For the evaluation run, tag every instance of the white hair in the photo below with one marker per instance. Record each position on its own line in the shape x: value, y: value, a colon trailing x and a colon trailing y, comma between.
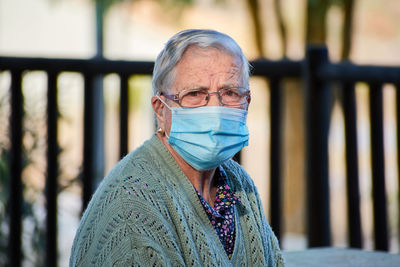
x: 169, y: 57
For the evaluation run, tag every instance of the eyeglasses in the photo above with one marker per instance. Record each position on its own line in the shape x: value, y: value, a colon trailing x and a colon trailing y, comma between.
x: 230, y: 96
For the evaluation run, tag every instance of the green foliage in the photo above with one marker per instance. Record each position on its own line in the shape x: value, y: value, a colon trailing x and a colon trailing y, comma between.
x: 3, y: 201
x: 106, y: 4
x: 337, y: 2
x: 137, y: 86
x: 33, y: 235
x: 4, y: 170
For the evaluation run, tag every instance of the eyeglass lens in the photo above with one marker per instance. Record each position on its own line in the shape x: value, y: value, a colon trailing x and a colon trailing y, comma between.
x: 199, y: 97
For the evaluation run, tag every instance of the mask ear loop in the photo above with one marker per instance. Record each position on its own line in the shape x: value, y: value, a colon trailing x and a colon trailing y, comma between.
x: 160, y: 130
x: 162, y: 101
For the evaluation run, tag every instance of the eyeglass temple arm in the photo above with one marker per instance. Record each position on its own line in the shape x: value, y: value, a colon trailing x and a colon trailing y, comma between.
x: 171, y: 97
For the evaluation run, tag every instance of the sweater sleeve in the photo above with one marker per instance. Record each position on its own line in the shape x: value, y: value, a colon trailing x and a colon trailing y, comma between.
x: 126, y: 224
x: 271, y: 244
x: 131, y: 252
x: 274, y: 252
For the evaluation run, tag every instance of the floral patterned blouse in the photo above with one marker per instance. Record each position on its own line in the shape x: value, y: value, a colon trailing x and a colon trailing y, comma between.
x: 222, y: 214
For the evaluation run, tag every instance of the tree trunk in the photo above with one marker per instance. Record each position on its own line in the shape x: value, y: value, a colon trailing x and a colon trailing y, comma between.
x: 316, y: 21
x: 347, y: 31
x: 282, y: 27
x: 98, y: 102
x: 254, y: 8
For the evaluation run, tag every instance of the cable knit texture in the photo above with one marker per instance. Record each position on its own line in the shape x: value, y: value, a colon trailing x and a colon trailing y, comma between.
x: 147, y: 213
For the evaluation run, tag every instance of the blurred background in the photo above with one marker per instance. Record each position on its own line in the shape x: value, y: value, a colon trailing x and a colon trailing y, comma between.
x: 364, y: 32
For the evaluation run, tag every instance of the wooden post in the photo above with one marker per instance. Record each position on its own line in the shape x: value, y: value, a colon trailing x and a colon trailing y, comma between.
x: 378, y: 167
x: 275, y: 156
x: 88, y: 164
x: 123, y: 115
x: 52, y: 171
x: 353, y: 189
x: 15, y: 199
x: 318, y: 110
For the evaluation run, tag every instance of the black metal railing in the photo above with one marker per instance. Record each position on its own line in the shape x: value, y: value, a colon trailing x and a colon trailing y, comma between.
x: 317, y: 73
x: 53, y: 67
x: 275, y: 72
x: 320, y: 74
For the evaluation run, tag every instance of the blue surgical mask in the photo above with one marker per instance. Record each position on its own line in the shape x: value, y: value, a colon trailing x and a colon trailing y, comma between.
x: 207, y: 136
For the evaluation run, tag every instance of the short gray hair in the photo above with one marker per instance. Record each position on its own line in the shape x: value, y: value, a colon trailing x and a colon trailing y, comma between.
x: 174, y: 49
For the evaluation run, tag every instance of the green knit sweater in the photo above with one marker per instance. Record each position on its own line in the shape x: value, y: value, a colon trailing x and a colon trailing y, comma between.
x: 147, y: 213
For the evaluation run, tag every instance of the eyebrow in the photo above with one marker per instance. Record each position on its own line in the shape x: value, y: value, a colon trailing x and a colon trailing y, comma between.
x: 227, y: 85
x: 230, y: 85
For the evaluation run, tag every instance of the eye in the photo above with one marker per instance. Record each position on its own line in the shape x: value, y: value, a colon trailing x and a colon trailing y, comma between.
x: 193, y: 93
x: 193, y: 98
x: 230, y: 92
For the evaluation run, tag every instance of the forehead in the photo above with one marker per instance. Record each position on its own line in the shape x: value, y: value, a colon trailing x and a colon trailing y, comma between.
x: 197, y: 56
x: 204, y: 67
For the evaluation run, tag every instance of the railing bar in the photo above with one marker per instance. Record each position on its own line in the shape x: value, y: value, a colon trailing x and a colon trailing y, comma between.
x: 238, y: 157
x: 87, y: 175
x: 124, y: 98
x: 353, y: 190
x: 283, y: 68
x: 15, y: 196
x: 88, y: 66
x: 262, y: 67
x: 318, y: 101
x: 378, y: 167
x: 52, y: 171
x: 397, y: 85
x: 348, y: 72
x: 275, y: 156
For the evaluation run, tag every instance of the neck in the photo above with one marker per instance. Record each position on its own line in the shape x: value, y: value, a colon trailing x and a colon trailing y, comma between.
x: 203, y: 181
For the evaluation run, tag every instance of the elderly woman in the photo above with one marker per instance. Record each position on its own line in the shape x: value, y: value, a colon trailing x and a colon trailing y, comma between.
x: 179, y: 200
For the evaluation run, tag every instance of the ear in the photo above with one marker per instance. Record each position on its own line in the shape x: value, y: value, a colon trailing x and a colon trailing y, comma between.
x: 158, y: 108
x: 248, y: 102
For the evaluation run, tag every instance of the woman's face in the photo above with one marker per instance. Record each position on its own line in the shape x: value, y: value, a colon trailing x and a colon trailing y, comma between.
x: 202, y: 68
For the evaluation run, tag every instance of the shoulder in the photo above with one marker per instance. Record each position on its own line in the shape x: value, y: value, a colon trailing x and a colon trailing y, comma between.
x: 126, y: 200
x: 243, y: 187
x: 139, y: 163
x: 135, y: 173
x: 238, y: 176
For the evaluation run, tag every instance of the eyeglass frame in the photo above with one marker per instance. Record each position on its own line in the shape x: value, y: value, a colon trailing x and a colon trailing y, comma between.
x: 175, y: 97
